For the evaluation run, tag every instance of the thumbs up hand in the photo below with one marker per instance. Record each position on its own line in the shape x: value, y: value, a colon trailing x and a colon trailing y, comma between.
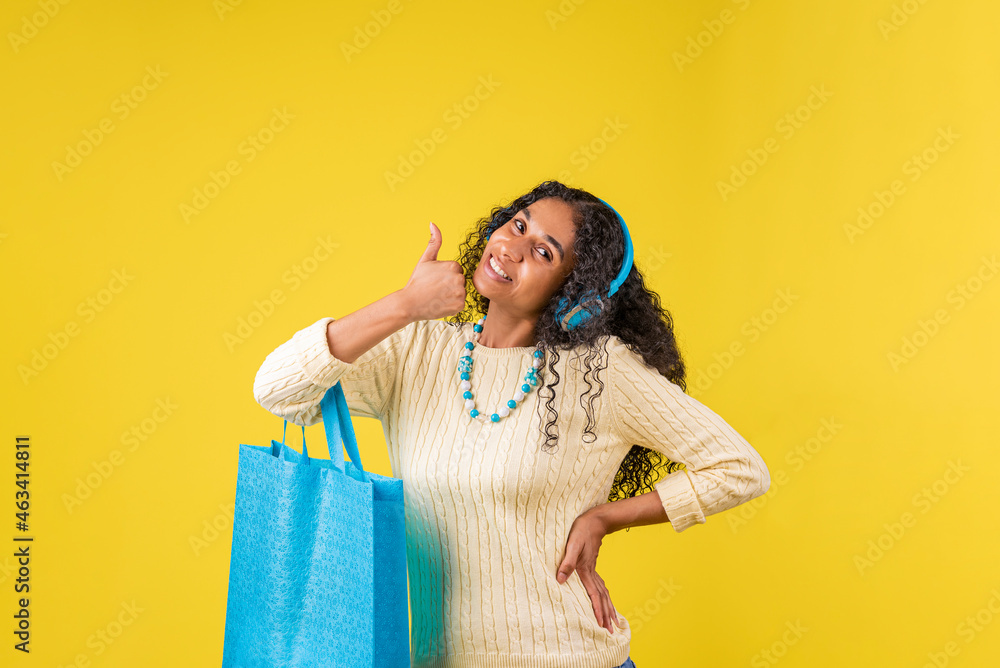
x: 436, y: 288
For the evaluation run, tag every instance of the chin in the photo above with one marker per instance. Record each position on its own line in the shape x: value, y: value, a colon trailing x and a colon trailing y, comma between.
x: 484, y: 285
x: 479, y: 281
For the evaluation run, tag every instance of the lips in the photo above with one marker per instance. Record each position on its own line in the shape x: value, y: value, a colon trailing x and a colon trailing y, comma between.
x: 490, y: 270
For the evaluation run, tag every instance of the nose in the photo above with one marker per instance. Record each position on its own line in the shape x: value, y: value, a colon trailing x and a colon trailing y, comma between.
x: 509, y: 249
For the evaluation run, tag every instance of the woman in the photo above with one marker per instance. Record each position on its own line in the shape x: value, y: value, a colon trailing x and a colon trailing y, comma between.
x: 505, y: 509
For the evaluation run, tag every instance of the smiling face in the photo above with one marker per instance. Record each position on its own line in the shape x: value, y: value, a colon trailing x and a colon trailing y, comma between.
x: 534, y: 250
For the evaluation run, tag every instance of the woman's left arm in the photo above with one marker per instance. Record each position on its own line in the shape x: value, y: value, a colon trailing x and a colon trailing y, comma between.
x: 722, y: 469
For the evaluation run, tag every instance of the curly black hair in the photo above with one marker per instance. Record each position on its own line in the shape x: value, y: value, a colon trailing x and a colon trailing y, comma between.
x: 634, y: 314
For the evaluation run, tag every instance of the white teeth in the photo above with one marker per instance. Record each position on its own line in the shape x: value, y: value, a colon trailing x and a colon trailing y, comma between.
x: 496, y: 267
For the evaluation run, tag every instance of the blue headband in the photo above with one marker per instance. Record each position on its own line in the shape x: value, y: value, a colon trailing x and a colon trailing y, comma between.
x: 573, y: 316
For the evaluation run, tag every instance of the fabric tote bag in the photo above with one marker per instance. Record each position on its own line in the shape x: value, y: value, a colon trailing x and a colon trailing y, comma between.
x: 317, y: 574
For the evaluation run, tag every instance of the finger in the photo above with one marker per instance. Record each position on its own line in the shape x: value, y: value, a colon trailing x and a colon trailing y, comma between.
x: 602, y: 600
x: 596, y: 600
x: 606, y: 607
x: 433, y: 246
x: 565, y: 570
x: 604, y: 597
x: 568, y: 564
x: 610, y: 612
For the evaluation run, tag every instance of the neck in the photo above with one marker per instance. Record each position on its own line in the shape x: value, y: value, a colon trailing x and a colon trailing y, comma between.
x: 504, y: 330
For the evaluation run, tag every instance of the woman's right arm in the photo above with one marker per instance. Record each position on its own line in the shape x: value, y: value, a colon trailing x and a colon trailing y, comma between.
x: 356, y: 333
x: 362, y: 350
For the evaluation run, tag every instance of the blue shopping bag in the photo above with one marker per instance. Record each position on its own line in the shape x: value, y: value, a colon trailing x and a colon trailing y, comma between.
x: 317, y: 573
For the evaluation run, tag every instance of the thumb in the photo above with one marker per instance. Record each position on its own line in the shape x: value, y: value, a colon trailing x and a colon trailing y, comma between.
x: 566, y: 568
x: 433, y: 246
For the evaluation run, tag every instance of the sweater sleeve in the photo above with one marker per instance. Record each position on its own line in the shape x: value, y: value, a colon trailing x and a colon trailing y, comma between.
x: 294, y: 377
x: 722, y: 469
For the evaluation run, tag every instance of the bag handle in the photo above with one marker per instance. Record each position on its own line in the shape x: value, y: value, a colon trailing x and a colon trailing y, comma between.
x: 338, y: 426
x: 276, y: 447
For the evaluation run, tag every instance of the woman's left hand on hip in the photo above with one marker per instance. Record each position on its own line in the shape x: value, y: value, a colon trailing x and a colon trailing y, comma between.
x: 582, y: 546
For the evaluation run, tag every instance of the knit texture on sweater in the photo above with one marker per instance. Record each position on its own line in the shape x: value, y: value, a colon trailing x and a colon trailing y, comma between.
x: 488, y: 511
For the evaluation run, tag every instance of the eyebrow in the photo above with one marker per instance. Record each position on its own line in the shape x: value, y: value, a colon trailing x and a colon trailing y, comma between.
x: 549, y: 238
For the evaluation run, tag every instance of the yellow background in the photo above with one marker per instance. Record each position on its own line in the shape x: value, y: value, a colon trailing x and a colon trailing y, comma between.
x: 894, y: 74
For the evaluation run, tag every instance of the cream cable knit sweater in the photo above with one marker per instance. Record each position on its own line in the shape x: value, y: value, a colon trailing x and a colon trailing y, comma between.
x: 487, y: 512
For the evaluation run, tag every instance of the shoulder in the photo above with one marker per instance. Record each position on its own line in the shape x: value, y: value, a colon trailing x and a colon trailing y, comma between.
x: 431, y: 334
x: 441, y: 327
x: 629, y: 368
x: 620, y: 355
x: 610, y: 350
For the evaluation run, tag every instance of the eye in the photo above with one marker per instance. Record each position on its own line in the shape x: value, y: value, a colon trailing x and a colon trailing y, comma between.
x: 546, y: 255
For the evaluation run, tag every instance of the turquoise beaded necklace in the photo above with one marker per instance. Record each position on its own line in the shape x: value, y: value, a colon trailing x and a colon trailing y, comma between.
x: 465, y: 368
